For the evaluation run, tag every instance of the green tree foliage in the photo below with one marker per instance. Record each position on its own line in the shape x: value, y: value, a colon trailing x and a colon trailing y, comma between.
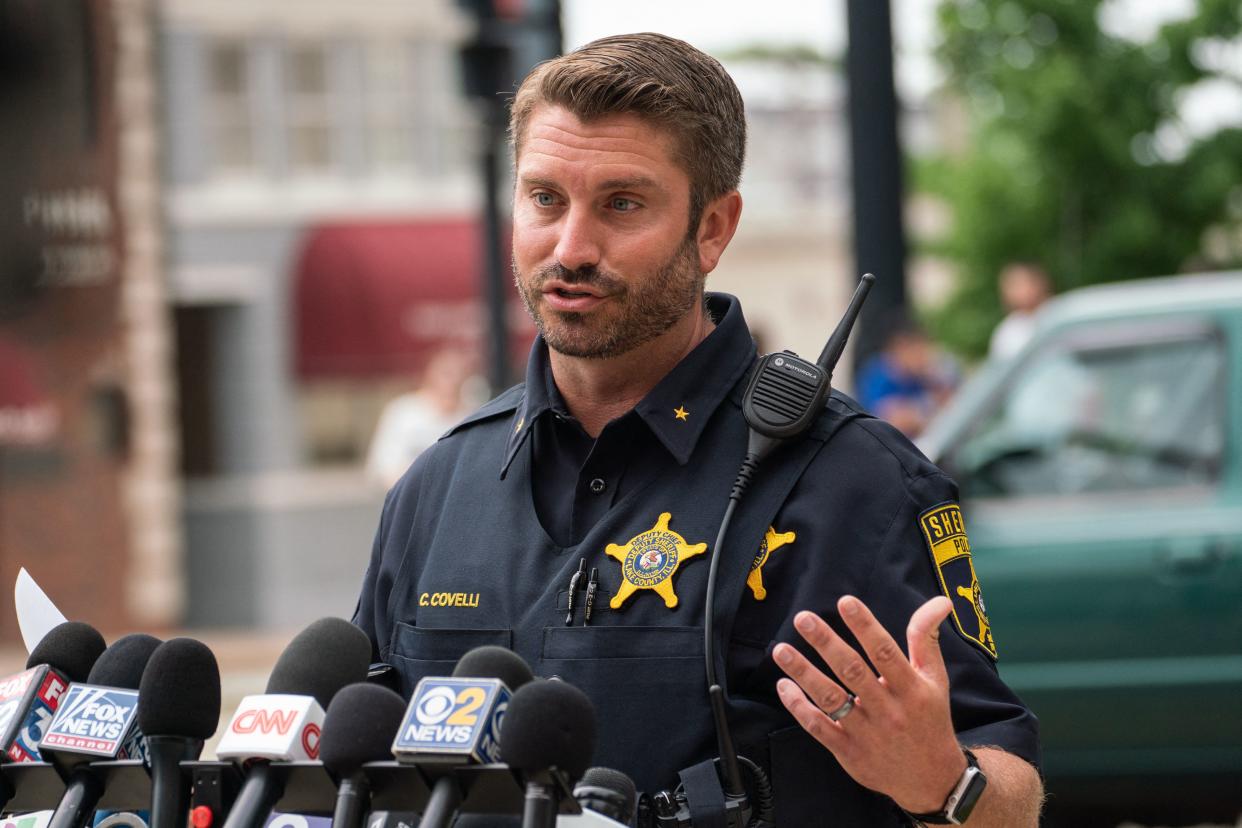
x: 1079, y: 158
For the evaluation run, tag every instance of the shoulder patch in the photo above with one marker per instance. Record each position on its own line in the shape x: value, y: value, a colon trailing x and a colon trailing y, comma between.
x: 945, y: 532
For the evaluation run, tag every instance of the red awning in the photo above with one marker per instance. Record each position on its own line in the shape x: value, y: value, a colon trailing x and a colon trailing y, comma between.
x: 379, y: 299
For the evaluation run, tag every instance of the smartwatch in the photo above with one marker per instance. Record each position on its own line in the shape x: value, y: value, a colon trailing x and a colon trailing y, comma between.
x: 962, y: 799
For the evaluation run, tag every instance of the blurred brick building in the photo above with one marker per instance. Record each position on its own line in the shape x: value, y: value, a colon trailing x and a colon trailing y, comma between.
x: 88, y: 490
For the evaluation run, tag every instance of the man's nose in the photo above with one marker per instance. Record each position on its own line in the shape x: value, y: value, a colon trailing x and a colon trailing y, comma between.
x: 579, y: 243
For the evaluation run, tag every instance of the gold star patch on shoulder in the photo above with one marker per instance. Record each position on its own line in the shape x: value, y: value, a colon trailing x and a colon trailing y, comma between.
x: 772, y: 540
x: 649, y: 561
x: 681, y: 414
x: 945, y: 533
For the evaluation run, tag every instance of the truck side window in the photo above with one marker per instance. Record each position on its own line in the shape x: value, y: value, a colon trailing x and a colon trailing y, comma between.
x: 1101, y: 418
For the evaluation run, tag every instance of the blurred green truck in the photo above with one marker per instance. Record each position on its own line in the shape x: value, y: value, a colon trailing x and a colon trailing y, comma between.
x: 1101, y: 476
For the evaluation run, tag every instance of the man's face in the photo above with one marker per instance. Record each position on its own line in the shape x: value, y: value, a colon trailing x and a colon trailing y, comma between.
x: 601, y: 254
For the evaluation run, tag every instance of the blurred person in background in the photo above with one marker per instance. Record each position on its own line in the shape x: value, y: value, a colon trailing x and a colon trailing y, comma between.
x: 413, y: 421
x: 1024, y: 287
x: 909, y: 379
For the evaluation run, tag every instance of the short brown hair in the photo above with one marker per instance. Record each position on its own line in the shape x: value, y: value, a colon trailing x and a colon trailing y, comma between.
x: 664, y: 80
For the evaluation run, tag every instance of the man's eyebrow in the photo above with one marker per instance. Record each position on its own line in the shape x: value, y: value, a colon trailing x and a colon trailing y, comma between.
x: 535, y: 181
x: 636, y: 182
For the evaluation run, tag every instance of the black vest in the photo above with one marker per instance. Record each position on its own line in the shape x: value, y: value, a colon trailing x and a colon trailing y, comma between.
x: 477, y: 568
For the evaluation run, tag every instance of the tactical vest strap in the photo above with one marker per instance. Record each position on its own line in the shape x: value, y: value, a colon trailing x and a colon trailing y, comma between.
x: 704, y: 795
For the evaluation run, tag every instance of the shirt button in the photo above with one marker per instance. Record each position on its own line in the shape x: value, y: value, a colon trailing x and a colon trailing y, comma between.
x: 598, y: 485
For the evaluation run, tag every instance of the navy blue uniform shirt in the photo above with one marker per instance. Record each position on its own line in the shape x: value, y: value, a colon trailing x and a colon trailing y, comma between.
x: 478, y: 542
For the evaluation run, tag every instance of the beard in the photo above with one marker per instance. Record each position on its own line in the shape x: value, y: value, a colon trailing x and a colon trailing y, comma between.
x: 639, y: 308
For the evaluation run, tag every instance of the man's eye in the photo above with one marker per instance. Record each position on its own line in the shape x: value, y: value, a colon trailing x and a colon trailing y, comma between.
x: 544, y: 199
x: 623, y: 205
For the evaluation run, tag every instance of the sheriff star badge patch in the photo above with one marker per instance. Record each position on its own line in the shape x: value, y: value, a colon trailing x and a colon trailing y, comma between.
x: 649, y: 560
x: 772, y: 540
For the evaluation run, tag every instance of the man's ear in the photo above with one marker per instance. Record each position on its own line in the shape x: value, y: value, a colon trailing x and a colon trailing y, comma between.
x: 716, y: 228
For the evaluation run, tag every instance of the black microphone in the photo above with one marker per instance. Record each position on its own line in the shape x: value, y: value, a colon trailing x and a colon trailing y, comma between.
x: 608, y: 792
x: 285, y: 723
x: 455, y: 721
x: 178, y: 709
x: 29, y: 699
x: 71, y: 647
x: 359, y: 727
x: 96, y: 721
x: 549, y: 736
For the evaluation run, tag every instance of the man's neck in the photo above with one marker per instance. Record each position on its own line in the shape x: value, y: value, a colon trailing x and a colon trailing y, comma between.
x: 598, y: 391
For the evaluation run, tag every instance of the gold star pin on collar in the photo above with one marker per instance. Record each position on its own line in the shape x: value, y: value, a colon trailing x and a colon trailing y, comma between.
x: 681, y: 414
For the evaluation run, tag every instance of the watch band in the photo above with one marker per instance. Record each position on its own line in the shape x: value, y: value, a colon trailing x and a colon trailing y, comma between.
x: 962, y: 798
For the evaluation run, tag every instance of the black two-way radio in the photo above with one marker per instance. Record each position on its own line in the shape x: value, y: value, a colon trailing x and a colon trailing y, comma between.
x: 784, y: 396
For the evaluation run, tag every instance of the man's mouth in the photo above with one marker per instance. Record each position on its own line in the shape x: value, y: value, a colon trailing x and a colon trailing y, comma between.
x: 571, y: 297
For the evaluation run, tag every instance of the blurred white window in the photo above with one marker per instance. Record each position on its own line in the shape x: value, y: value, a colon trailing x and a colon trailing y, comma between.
x: 389, y: 94
x: 309, y: 108
x: 230, y: 121
x: 1102, y: 418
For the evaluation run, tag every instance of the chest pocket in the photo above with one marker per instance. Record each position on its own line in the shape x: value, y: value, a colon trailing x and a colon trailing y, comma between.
x: 649, y: 693
x: 417, y: 652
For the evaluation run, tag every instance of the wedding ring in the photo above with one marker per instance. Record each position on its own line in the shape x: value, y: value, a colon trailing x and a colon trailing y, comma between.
x: 844, y: 710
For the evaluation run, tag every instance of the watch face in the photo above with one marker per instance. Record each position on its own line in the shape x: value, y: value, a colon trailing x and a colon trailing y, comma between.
x: 975, y: 783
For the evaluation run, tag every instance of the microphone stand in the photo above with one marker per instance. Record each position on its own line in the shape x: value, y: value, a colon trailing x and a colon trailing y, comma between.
x: 170, y: 783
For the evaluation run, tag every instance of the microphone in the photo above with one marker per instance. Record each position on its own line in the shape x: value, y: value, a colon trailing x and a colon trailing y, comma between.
x: 359, y: 727
x: 72, y: 647
x: 285, y: 723
x: 549, y: 736
x: 178, y: 708
x: 608, y: 792
x: 96, y: 720
x: 456, y: 721
x: 29, y: 699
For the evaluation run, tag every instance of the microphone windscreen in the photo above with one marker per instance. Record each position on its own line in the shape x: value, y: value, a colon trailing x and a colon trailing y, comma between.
x: 359, y: 727
x: 121, y: 665
x: 494, y: 662
x: 549, y: 723
x: 321, y: 659
x: 180, y: 691
x: 71, y: 648
x: 616, y: 782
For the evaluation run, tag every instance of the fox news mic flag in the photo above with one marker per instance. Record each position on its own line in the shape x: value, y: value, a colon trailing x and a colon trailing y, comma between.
x: 97, y: 721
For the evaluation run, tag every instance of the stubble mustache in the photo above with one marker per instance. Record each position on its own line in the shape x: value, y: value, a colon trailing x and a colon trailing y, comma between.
x: 591, y: 276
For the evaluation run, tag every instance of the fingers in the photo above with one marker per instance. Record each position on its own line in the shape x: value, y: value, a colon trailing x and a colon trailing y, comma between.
x: 822, y: 691
x: 814, y: 721
x: 880, y: 647
x: 923, y: 638
x: 852, y: 670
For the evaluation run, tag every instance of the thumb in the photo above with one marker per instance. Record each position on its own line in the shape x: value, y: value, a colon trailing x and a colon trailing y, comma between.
x: 923, y: 638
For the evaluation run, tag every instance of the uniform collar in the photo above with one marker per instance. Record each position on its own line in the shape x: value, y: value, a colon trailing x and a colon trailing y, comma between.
x: 678, y: 408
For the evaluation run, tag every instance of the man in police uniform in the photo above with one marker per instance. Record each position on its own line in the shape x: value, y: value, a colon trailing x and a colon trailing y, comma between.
x: 851, y: 628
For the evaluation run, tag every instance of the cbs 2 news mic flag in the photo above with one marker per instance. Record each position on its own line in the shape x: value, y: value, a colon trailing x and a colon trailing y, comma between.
x: 273, y: 726
x: 96, y: 721
x: 457, y: 719
x: 28, y: 700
